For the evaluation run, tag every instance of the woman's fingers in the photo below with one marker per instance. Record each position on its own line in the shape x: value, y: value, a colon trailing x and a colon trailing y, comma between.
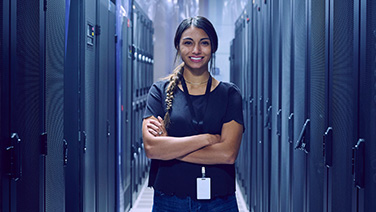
x: 161, y: 121
x: 155, y: 128
x: 153, y: 132
x: 156, y: 123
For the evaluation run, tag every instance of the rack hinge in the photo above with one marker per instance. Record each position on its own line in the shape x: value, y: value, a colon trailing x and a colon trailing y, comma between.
x: 327, y: 146
x: 65, y: 152
x: 358, y: 163
x: 43, y: 138
x: 302, y: 142
x: 279, y: 122
x: 15, y: 154
x: 291, y: 128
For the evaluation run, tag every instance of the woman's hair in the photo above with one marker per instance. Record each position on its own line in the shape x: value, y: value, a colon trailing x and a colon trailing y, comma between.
x: 201, y: 23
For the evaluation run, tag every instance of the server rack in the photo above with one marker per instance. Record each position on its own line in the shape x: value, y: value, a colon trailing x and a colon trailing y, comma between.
x: 364, y: 154
x: 267, y: 108
x: 105, y: 147
x: 305, y: 151
x: 59, y: 128
x: 125, y: 89
x: 73, y: 149
x: 315, y: 107
x: 89, y: 112
x: 135, y: 45
x: 275, y: 172
x: 236, y: 61
x: 309, y: 80
x: 141, y: 50
x: 340, y: 96
x: 15, y: 176
x: 53, y: 103
x: 31, y: 43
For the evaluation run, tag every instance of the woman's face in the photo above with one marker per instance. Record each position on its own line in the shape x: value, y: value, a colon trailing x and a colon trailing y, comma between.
x: 195, y: 48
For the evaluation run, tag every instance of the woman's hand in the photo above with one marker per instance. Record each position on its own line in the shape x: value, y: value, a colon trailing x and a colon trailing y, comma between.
x: 213, y: 139
x: 156, y: 127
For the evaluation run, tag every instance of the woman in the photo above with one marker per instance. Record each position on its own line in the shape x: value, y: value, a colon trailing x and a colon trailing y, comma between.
x: 194, y: 147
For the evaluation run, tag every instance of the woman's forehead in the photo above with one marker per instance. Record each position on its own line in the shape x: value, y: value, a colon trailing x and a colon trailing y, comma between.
x: 194, y: 32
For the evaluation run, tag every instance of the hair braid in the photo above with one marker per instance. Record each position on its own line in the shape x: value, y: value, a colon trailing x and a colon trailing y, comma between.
x: 171, y: 88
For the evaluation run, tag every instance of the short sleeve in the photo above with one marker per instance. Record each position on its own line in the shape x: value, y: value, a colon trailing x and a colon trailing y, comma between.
x: 154, y: 104
x: 235, y: 106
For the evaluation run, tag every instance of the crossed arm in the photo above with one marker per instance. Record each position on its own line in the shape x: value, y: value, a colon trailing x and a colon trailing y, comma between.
x: 200, y: 149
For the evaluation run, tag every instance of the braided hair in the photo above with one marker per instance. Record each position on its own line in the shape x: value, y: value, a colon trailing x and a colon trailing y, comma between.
x: 175, y: 78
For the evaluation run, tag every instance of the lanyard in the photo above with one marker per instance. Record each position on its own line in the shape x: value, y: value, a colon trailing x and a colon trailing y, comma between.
x: 199, y: 124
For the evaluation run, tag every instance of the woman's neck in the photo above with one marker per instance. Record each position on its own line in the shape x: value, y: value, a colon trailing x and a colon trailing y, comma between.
x: 196, y: 77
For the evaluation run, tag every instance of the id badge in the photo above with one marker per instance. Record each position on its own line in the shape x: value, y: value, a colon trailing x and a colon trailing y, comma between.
x: 203, y: 188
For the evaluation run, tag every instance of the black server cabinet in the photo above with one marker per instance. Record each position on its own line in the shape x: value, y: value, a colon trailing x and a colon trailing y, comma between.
x: 73, y: 147
x: 364, y: 166
x: 245, y: 69
x: 287, y: 104
x: 315, y: 108
x: 258, y: 96
x: 299, y: 121
x: 247, y: 83
x: 88, y: 101
x: 341, y: 108
x: 137, y: 27
x: 105, y: 107
x: 32, y: 49
x: 136, y: 77
x: 364, y: 148
x: 237, y: 77
x: 126, y: 108
x: 21, y: 115
x: 267, y: 107
x: 254, y: 92
x: 141, y: 49
x: 275, y: 172
x: 53, y: 105
x: 72, y: 94
x: 89, y: 90
x: 249, y: 59
x: 263, y: 97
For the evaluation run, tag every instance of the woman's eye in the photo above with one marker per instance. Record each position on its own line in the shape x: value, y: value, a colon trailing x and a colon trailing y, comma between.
x: 187, y: 43
x: 205, y: 43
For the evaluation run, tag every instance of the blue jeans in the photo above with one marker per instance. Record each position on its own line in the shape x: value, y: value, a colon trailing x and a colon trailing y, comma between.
x: 170, y: 203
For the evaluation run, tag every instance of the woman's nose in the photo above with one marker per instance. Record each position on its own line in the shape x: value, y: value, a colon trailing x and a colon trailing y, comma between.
x: 196, y: 49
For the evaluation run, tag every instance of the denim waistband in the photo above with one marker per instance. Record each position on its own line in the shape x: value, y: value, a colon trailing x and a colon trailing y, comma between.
x: 171, y: 203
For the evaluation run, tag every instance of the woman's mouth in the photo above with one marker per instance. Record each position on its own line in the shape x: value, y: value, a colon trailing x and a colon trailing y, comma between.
x: 196, y: 59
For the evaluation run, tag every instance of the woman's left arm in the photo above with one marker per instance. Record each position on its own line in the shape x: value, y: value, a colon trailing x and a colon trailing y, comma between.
x: 224, y: 152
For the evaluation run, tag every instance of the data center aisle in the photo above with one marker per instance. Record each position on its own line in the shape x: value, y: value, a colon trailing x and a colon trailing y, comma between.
x: 144, y: 201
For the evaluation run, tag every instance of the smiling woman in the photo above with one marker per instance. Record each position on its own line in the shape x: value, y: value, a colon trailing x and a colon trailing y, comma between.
x: 194, y: 147
x: 195, y: 49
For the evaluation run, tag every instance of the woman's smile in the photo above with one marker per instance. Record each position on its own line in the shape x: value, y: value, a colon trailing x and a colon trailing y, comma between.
x: 196, y: 59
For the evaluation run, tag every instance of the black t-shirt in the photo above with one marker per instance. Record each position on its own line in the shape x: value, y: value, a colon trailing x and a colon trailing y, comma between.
x: 178, y: 177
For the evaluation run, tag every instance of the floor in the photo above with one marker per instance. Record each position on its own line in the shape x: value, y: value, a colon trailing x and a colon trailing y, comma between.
x: 144, y: 201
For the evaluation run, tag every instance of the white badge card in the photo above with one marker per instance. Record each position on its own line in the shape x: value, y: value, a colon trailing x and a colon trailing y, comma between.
x: 203, y: 188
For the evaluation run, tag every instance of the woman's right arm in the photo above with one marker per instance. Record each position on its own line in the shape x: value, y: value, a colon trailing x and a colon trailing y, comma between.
x: 167, y: 147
